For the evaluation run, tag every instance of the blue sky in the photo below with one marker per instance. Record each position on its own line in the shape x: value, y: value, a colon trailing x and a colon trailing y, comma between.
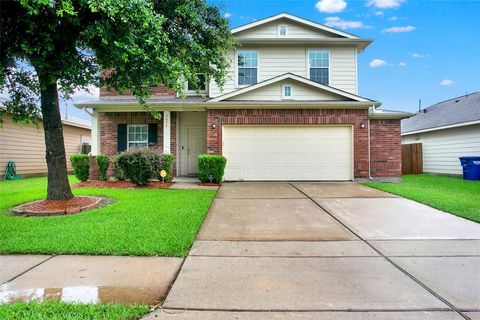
x: 427, y: 50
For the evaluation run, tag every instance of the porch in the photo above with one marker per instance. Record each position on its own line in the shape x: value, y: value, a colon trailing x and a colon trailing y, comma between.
x: 181, y: 133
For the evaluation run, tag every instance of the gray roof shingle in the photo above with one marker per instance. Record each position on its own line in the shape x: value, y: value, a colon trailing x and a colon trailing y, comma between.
x: 454, y: 111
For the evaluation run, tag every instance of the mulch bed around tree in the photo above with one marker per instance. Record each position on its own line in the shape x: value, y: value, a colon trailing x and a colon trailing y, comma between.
x: 121, y: 184
x: 58, y: 207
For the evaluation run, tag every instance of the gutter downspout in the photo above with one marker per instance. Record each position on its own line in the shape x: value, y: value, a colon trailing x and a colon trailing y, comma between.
x: 369, y: 156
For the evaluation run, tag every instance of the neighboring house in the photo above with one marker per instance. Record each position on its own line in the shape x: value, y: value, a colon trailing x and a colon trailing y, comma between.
x: 446, y: 130
x: 25, y: 144
x: 289, y: 110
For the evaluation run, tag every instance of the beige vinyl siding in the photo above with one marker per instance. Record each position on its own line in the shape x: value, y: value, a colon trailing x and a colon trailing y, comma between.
x: 25, y: 145
x: 275, y: 60
x: 442, y: 148
x: 343, y: 68
x: 300, y: 92
x: 294, y: 30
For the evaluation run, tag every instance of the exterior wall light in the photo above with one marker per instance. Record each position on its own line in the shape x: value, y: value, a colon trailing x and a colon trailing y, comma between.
x: 362, y: 125
x: 214, y: 125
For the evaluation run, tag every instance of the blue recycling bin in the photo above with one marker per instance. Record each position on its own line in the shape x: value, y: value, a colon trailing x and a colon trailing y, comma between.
x: 471, y: 167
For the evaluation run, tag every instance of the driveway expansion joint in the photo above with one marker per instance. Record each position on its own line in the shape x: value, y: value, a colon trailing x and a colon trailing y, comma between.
x: 445, y: 301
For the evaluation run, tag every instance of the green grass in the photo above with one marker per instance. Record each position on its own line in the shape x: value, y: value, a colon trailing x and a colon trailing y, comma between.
x: 60, y: 311
x: 450, y: 194
x: 141, y: 222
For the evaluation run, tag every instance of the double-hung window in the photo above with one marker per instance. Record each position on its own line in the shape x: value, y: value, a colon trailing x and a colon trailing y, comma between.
x: 137, y: 136
x: 202, y: 84
x: 318, y: 63
x: 247, y: 67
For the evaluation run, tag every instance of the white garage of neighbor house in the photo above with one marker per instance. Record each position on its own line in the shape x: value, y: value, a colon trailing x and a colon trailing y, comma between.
x: 447, y: 130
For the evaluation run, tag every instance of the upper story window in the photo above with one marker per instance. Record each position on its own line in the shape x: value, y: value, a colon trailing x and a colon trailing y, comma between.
x: 202, y: 84
x: 318, y: 62
x: 137, y: 136
x: 282, y: 30
x: 247, y: 67
x: 287, y: 92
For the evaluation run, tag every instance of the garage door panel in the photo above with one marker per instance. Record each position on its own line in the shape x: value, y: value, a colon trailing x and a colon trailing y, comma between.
x: 288, y: 152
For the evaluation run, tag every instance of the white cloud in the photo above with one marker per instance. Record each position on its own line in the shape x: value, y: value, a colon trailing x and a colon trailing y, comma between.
x: 378, y: 13
x: 399, y: 29
x: 343, y: 24
x: 447, y: 82
x: 375, y: 63
x: 402, y: 64
x: 227, y: 15
x: 394, y: 18
x: 418, y: 55
x: 331, y: 6
x: 385, y: 4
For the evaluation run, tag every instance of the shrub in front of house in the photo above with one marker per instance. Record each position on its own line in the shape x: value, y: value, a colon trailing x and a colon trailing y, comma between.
x: 166, y: 163
x: 138, y: 165
x: 141, y: 165
x: 103, y: 163
x: 81, y: 166
x: 211, y: 167
x: 117, y: 170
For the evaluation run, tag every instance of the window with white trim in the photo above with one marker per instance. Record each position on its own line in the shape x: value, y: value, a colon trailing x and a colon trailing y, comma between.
x: 318, y: 64
x: 137, y: 136
x: 287, y: 92
x: 247, y: 67
x: 282, y: 30
x: 202, y: 84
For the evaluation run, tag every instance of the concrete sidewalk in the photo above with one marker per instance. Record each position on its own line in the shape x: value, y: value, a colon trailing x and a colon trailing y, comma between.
x: 86, y: 279
x: 326, y: 251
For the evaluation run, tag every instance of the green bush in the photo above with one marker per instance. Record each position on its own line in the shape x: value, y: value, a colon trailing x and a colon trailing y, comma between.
x: 166, y: 163
x: 141, y: 165
x: 103, y: 163
x: 81, y: 166
x: 117, y: 170
x: 211, y: 167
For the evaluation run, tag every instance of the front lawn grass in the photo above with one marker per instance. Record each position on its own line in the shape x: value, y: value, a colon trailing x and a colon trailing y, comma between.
x: 141, y: 222
x: 60, y: 311
x: 450, y: 194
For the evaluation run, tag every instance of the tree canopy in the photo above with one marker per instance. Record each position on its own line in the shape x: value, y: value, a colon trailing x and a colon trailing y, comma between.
x: 50, y: 45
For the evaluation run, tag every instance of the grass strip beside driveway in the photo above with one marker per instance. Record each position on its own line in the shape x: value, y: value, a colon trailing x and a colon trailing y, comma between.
x: 450, y: 194
x: 144, y: 222
x: 59, y: 311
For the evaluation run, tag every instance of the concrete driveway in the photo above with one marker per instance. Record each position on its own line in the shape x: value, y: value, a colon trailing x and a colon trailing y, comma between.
x: 326, y: 251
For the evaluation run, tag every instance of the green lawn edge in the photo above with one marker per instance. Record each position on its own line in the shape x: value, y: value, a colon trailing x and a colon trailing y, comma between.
x: 54, y: 310
x: 450, y: 194
x: 141, y: 222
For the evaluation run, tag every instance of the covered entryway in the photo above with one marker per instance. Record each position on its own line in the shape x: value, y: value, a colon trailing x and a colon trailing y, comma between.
x: 288, y: 152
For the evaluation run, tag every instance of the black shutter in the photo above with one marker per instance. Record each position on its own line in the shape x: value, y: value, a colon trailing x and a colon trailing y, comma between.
x: 121, y: 137
x: 152, y: 133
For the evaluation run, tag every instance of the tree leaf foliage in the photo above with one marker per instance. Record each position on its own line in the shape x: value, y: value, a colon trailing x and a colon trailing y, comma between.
x: 141, y: 44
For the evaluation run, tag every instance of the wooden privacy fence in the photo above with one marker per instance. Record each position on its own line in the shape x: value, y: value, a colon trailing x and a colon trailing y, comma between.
x: 412, y: 158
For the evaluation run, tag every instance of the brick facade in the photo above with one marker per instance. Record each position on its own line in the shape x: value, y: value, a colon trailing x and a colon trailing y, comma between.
x: 385, y: 144
x: 385, y: 148
x: 108, y: 131
x: 294, y: 117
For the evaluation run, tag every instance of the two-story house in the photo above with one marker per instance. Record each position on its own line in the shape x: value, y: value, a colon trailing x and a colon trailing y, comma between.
x: 290, y: 110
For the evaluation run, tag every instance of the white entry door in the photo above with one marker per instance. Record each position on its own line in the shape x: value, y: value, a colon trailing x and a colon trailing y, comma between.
x: 196, y: 145
x: 292, y: 153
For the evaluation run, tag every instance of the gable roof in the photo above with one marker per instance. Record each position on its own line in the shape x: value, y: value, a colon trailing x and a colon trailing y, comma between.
x: 297, y: 19
x: 291, y: 76
x: 454, y: 112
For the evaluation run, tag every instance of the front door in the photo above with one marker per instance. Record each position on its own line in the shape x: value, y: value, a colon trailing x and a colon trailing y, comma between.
x: 196, y: 145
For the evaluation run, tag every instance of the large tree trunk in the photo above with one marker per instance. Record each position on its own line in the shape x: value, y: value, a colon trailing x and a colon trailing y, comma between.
x: 58, y: 186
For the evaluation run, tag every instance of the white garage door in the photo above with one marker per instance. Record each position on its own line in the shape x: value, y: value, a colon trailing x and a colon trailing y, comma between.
x: 288, y: 152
